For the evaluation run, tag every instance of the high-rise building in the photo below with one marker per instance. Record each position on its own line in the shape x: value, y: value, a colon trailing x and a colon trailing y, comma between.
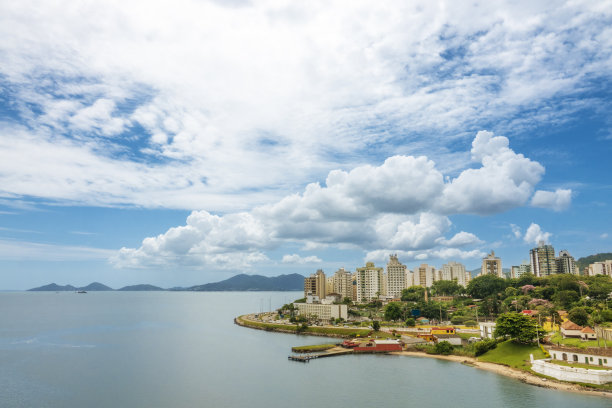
x: 520, y: 270
x: 455, y: 271
x: 492, y: 265
x: 542, y: 260
x: 566, y: 263
x: 396, y: 277
x: 316, y: 285
x: 600, y: 268
x: 369, y: 282
x: 343, y: 283
x: 425, y: 275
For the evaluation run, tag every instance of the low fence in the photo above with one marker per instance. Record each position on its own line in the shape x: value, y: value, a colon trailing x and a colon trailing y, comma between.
x: 572, y: 374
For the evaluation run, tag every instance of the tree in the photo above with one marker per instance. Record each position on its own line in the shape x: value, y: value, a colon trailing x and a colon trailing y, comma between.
x: 444, y: 347
x: 518, y: 327
x: 485, y: 285
x: 566, y: 298
x: 413, y: 294
x: 376, y: 325
x: 579, y: 316
x: 447, y: 288
x: 393, y: 311
x: 410, y: 322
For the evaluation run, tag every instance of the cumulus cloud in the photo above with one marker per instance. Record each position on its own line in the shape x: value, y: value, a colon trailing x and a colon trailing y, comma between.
x: 460, y: 239
x: 534, y: 234
x: 516, y: 231
x: 297, y: 259
x: 125, y: 89
x: 557, y: 200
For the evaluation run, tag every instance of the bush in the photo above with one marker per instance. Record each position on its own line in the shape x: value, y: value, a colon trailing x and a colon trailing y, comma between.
x: 444, y: 347
x: 470, y: 323
x: 457, y: 320
x: 483, y: 346
x: 410, y: 322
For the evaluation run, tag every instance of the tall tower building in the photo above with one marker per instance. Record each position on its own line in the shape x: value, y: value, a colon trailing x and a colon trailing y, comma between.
x: 455, y: 271
x: 492, y: 265
x: 343, y: 283
x: 566, y: 263
x: 396, y: 277
x: 424, y: 275
x: 542, y: 260
x: 369, y: 282
x: 316, y: 285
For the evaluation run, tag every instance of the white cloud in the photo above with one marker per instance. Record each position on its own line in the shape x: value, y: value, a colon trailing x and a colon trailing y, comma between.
x: 534, y: 235
x: 557, y: 200
x: 296, y: 259
x: 604, y: 235
x: 264, y: 97
x: 516, y: 231
x: 460, y: 239
x: 34, y: 251
x: 444, y: 254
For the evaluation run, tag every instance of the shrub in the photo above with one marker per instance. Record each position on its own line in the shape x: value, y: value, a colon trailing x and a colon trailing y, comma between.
x: 470, y: 323
x: 410, y: 322
x: 457, y: 320
x: 483, y: 346
x: 444, y: 347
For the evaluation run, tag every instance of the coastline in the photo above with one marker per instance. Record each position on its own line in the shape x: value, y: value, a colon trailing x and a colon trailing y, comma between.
x: 523, y: 376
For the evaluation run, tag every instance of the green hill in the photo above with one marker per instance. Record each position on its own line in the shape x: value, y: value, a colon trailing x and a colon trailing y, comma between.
x: 585, y: 261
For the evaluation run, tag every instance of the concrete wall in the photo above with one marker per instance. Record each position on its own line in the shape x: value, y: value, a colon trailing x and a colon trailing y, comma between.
x: 572, y: 374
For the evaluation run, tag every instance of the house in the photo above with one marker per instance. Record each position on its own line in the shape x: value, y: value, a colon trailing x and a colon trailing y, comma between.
x: 486, y: 329
x: 442, y: 330
x: 571, y: 329
x: 378, y: 346
x: 422, y: 320
x: 593, y: 356
x: 588, y: 334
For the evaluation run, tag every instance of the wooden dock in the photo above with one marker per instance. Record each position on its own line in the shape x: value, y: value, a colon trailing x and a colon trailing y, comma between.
x: 308, y: 357
x: 302, y: 359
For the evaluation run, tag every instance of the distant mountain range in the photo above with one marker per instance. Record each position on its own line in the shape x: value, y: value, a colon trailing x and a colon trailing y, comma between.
x: 240, y: 282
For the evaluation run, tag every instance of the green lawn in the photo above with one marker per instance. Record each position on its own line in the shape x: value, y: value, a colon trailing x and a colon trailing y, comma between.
x: 513, y: 355
x: 578, y: 365
x: 558, y: 338
x: 332, y: 331
x: 313, y: 348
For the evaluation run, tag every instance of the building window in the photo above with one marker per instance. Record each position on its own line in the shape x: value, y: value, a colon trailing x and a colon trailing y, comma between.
x: 575, y: 357
x: 586, y: 360
x: 591, y: 358
x: 564, y: 357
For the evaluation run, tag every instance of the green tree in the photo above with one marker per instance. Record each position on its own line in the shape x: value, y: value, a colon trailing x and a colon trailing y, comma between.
x: 447, y: 288
x: 579, y: 316
x: 518, y: 327
x: 566, y: 298
x: 485, y: 285
x: 393, y: 311
x: 413, y: 294
x: 410, y: 322
x: 376, y: 325
x: 444, y: 347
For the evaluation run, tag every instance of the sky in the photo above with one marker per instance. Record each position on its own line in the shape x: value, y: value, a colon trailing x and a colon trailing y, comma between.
x: 183, y: 143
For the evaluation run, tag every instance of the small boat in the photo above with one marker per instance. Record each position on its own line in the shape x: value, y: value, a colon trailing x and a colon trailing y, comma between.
x: 81, y: 291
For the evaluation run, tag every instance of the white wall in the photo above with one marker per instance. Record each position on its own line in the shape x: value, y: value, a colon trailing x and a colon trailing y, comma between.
x: 572, y: 374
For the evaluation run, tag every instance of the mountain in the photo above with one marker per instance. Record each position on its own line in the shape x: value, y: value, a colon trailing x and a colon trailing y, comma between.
x: 54, y: 287
x: 140, y: 288
x: 587, y: 260
x: 244, y: 282
x: 95, y: 287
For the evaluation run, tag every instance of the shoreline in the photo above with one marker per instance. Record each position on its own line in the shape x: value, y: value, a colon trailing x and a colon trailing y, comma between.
x: 523, y: 376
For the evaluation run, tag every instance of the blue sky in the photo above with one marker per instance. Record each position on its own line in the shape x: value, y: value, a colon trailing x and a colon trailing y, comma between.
x: 178, y: 145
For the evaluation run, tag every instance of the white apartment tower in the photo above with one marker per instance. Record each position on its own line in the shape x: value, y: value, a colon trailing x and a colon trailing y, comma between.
x: 369, y: 282
x: 343, y: 283
x: 396, y: 277
x: 424, y: 275
x: 492, y: 265
x: 455, y: 271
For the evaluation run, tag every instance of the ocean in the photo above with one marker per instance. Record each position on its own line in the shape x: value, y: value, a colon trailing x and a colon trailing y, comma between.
x: 182, y: 349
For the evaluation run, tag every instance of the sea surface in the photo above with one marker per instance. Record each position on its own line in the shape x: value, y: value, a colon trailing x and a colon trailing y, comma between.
x: 181, y: 349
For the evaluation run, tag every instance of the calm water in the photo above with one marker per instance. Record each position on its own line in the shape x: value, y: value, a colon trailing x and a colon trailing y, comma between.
x: 183, y: 350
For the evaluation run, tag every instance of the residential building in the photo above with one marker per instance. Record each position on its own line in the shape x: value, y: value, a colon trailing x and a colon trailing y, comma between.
x: 492, y: 265
x: 343, y: 283
x: 424, y: 275
x: 329, y: 285
x: 455, y: 271
x: 566, y: 263
x: 542, y: 259
x: 600, y: 268
x: 396, y: 277
x: 316, y: 284
x: 322, y: 311
x: 369, y: 282
x: 571, y: 329
x: 520, y: 270
x: 487, y: 330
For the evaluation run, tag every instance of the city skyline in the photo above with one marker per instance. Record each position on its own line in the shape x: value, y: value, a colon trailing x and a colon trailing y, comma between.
x: 194, y: 142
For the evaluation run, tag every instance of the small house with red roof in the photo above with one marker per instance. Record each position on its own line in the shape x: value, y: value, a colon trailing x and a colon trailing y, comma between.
x: 588, y: 334
x: 571, y: 329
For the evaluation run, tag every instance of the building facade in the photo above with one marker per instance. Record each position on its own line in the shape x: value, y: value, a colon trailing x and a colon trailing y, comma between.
x: 396, y: 277
x: 492, y: 265
x: 566, y: 263
x: 455, y: 271
x: 321, y: 311
x: 316, y: 284
x: 542, y: 260
x: 343, y: 283
x: 425, y: 275
x: 369, y: 282
x: 520, y: 270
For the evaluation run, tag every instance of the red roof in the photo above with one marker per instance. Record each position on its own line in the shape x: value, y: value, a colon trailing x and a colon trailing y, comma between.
x: 587, y: 330
x: 569, y: 325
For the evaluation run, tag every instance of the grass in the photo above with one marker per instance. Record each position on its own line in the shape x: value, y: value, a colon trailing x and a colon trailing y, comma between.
x: 558, y: 338
x: 313, y: 348
x: 332, y: 331
x: 578, y: 365
x: 513, y: 355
